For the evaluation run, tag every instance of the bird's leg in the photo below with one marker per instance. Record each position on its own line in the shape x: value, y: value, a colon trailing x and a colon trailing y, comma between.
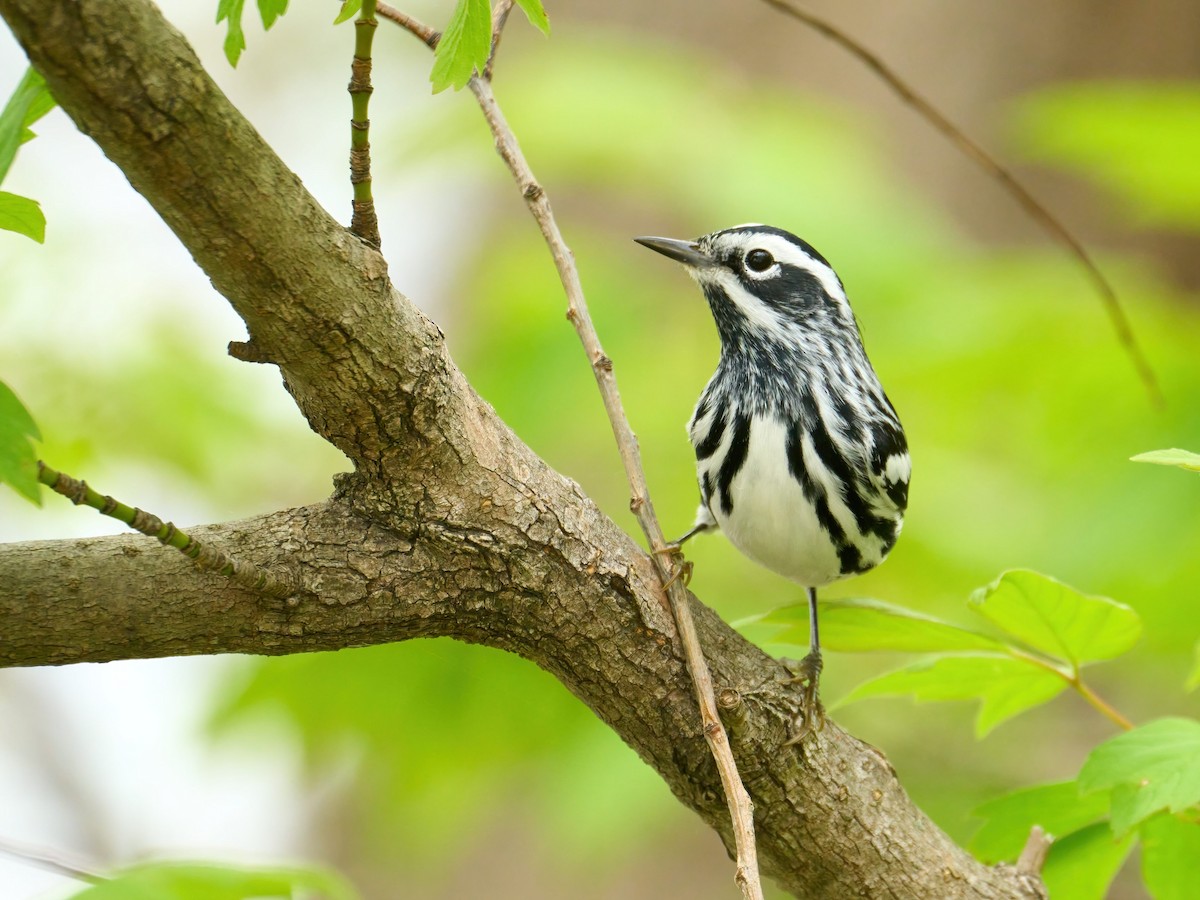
x: 674, y: 546
x: 808, y: 672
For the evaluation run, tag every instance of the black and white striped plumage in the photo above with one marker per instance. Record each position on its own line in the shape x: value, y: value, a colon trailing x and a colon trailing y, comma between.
x: 801, y: 458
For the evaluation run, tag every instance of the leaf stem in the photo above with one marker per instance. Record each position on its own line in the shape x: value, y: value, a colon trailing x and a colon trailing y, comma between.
x: 1074, y: 678
x: 1099, y: 703
x: 364, y: 221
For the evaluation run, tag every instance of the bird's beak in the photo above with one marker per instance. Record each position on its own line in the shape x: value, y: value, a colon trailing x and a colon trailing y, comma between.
x: 686, y: 252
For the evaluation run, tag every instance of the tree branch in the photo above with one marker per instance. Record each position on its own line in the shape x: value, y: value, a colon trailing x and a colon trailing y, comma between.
x: 554, y: 581
x: 449, y: 524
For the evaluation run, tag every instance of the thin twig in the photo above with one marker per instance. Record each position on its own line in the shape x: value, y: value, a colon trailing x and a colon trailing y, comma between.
x: 50, y: 861
x: 428, y: 36
x: 741, y: 808
x: 499, y: 17
x: 1008, y: 182
x: 363, y: 221
x: 241, y: 573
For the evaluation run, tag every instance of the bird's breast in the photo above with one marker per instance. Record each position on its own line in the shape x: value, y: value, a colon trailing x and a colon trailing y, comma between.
x: 763, y: 509
x: 777, y: 501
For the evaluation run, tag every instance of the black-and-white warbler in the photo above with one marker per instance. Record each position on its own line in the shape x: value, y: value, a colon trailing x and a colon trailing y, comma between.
x: 801, y: 458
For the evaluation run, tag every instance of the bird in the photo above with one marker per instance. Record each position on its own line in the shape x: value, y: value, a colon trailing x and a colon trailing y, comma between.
x: 800, y: 456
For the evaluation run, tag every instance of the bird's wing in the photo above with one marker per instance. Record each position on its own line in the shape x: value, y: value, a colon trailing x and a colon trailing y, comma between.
x: 890, y: 465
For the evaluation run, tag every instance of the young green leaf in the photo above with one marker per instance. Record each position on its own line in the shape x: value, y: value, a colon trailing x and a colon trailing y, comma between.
x: 231, y: 11
x: 270, y: 10
x: 1057, y: 807
x: 535, y: 14
x: 22, y: 215
x: 1151, y: 768
x: 29, y: 102
x: 464, y: 45
x: 1184, y: 459
x: 861, y: 624
x: 235, y: 38
x: 1082, y: 865
x: 1170, y: 853
x: 1004, y: 685
x: 18, y: 462
x: 1056, y: 619
x: 348, y: 11
x: 207, y: 881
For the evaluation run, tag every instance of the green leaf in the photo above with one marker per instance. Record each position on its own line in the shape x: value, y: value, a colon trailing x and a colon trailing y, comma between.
x: 22, y: 215
x: 39, y: 107
x: 1081, y: 866
x: 1005, y: 685
x: 235, y: 38
x: 18, y: 461
x: 861, y: 624
x: 1194, y: 679
x: 464, y: 45
x: 1184, y: 459
x: 28, y: 103
x: 535, y: 14
x: 1170, y: 852
x: 231, y: 11
x: 1056, y: 619
x: 207, y: 881
x: 270, y: 10
x: 1154, y: 767
x: 1057, y: 807
x: 348, y: 11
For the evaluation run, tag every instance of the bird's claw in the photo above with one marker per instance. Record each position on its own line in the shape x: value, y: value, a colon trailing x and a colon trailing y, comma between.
x: 811, y: 716
x: 680, y: 568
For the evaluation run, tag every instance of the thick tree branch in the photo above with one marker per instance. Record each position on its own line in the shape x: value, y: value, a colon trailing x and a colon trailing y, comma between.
x: 449, y: 525
x: 552, y: 580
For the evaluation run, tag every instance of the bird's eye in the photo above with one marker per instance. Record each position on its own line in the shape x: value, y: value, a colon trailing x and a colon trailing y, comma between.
x: 759, y: 260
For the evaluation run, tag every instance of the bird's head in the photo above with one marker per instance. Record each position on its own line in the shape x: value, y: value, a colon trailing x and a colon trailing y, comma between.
x: 763, y: 283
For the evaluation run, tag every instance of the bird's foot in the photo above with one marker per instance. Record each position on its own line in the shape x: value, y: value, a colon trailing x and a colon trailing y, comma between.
x: 811, y: 716
x: 680, y: 568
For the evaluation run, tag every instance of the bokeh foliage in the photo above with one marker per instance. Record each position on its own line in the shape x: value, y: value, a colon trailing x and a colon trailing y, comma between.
x: 1021, y: 407
x: 1022, y: 413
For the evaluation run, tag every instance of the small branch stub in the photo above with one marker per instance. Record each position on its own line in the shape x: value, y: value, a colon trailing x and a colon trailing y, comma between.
x: 1033, y: 856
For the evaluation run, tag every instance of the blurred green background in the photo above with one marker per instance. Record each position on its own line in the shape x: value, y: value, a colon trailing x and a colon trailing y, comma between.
x: 458, y: 771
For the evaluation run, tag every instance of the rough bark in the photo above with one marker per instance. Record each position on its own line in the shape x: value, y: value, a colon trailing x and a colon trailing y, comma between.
x: 449, y: 525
